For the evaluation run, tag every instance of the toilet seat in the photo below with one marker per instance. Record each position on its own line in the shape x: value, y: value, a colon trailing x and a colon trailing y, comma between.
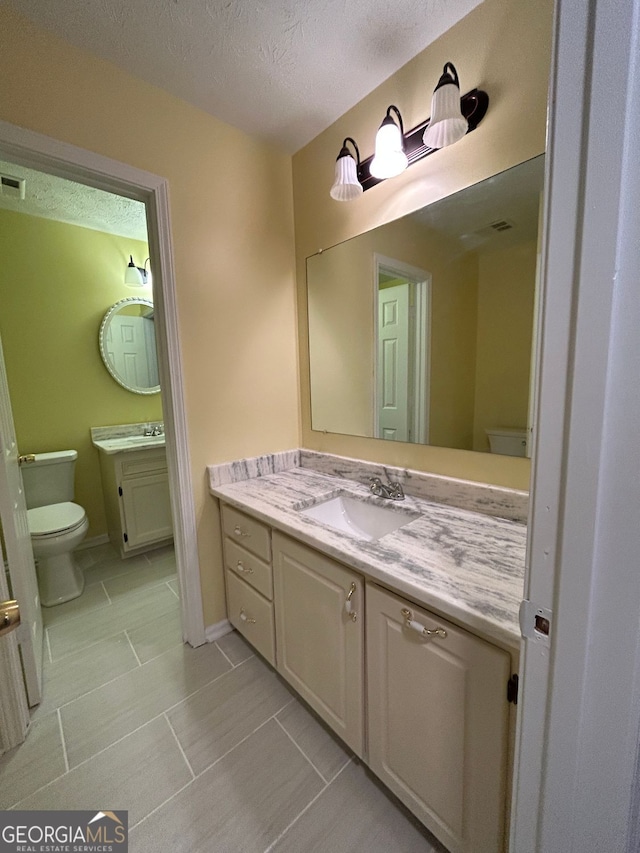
x: 54, y: 519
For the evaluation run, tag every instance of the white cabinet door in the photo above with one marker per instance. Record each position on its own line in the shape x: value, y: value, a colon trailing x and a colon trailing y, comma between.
x: 147, y: 510
x: 319, y: 644
x: 438, y: 723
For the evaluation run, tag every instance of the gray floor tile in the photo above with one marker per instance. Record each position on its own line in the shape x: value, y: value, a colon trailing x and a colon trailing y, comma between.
x: 167, y: 551
x: 157, y: 636
x: 240, y: 805
x: 218, y: 717
x: 134, y: 775
x: 92, y: 597
x: 235, y: 647
x: 78, y: 673
x: 32, y: 764
x: 97, y: 720
x: 142, y: 576
x: 353, y: 815
x: 131, y: 611
x: 173, y: 585
x: 113, y: 567
x: 88, y: 557
x: 323, y: 749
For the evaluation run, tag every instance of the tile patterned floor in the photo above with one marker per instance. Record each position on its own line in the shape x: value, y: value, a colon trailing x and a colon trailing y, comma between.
x: 206, y: 748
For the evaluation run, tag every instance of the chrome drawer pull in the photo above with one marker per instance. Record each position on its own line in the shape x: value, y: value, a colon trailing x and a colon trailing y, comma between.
x: 246, y: 570
x: 245, y: 618
x: 410, y: 622
x: 348, y: 605
x: 239, y: 531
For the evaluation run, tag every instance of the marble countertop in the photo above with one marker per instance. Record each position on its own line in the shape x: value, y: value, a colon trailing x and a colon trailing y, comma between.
x: 464, y: 565
x: 127, y: 445
x: 126, y: 438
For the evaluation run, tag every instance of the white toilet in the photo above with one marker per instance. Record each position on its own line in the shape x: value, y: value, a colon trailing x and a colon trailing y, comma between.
x: 57, y: 525
x: 507, y: 441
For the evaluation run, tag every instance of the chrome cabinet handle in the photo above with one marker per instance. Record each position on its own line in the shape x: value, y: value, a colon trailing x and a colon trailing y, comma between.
x: 246, y: 570
x: 245, y: 618
x: 410, y: 622
x: 239, y: 531
x: 348, y: 605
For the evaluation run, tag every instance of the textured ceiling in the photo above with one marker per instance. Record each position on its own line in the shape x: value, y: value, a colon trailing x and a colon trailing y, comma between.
x: 66, y: 201
x: 283, y: 70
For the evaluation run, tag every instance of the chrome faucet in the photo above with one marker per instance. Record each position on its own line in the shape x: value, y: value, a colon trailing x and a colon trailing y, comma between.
x: 393, y: 491
x: 156, y: 429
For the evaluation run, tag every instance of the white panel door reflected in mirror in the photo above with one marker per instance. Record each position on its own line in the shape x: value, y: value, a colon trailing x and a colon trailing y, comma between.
x: 128, y: 345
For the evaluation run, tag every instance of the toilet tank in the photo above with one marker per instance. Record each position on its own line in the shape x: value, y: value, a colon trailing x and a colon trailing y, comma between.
x: 50, y: 479
x: 507, y: 441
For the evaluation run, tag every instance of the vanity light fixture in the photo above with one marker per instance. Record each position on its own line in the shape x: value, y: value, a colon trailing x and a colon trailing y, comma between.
x: 447, y: 124
x: 389, y: 159
x: 346, y: 185
x: 137, y: 276
x: 452, y: 116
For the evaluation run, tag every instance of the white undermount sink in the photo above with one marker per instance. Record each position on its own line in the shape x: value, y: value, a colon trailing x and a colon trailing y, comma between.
x: 359, y: 518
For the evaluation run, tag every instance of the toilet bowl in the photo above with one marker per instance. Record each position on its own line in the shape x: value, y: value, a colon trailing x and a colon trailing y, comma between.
x: 56, y: 524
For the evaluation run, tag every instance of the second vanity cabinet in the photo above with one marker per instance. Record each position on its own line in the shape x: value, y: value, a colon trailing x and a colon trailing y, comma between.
x: 421, y: 700
x: 137, y: 500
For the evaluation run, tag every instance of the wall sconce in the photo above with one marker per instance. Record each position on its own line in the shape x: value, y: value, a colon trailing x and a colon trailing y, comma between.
x: 452, y: 117
x: 346, y: 185
x: 137, y: 276
x: 389, y: 159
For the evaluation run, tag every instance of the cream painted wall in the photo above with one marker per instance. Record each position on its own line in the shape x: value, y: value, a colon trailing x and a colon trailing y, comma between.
x: 506, y: 288
x: 232, y: 221
x: 56, y: 283
x: 341, y: 320
x: 502, y: 47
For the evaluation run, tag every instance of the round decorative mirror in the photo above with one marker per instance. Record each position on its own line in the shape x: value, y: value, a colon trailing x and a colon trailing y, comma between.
x: 128, y: 345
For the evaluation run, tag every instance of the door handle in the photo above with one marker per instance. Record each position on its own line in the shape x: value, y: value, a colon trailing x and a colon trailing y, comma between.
x: 9, y: 616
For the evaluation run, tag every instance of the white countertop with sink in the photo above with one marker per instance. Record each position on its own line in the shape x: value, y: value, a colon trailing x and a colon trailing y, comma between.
x: 465, y: 565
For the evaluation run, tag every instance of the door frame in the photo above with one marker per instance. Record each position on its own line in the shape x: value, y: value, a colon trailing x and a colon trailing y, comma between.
x: 422, y: 349
x: 37, y: 151
x: 577, y: 770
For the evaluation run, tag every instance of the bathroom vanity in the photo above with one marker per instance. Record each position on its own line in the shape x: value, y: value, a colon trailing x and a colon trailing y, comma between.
x: 135, y: 485
x: 404, y: 640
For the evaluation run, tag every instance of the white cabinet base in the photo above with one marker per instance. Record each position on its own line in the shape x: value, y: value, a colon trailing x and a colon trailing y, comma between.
x: 438, y: 722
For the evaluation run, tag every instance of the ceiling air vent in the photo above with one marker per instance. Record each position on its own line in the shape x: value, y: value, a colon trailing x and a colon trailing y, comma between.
x: 12, y: 187
x: 496, y: 227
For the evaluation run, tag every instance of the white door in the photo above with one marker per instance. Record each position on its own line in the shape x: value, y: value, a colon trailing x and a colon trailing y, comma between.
x: 15, y: 529
x: 392, y: 364
x: 127, y: 347
x: 14, y: 711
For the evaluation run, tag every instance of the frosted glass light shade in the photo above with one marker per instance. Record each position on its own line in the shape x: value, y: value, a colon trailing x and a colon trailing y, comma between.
x: 346, y: 185
x: 389, y: 159
x: 447, y: 124
x: 132, y: 275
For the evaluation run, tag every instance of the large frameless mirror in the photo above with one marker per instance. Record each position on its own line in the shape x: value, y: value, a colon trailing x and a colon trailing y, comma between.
x: 128, y: 345
x: 421, y: 330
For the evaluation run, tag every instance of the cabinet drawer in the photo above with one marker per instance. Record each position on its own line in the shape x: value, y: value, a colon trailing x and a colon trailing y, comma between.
x: 251, y: 534
x: 250, y: 568
x: 143, y: 463
x: 252, y: 615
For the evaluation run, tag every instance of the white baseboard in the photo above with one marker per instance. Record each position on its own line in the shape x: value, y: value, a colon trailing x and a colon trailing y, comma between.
x: 103, y: 539
x: 214, y: 632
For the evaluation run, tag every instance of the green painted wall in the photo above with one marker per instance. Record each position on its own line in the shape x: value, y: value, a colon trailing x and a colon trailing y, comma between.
x: 56, y: 283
